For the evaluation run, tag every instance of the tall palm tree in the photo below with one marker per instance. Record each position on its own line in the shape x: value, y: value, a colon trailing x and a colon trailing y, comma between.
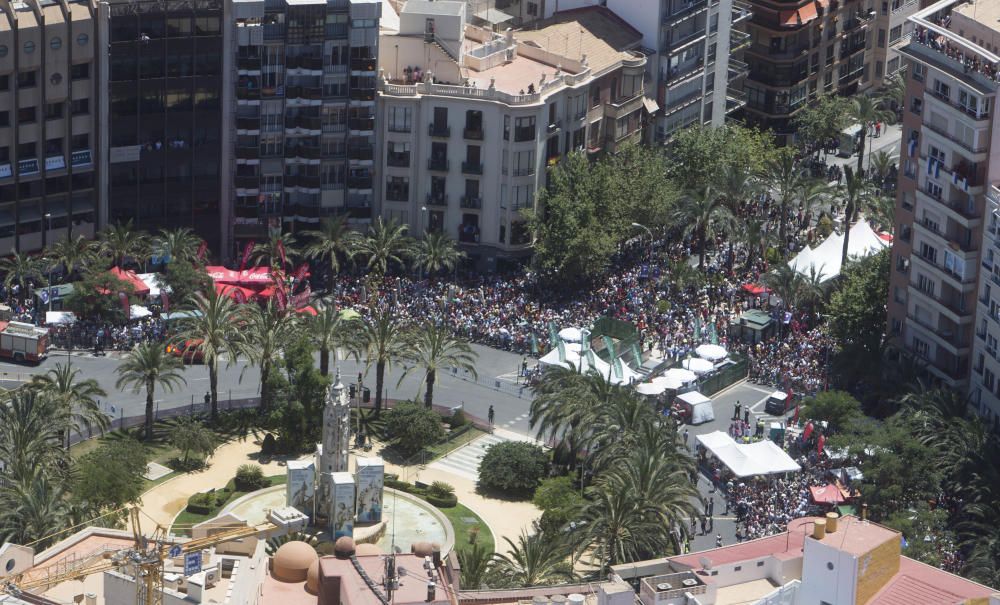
x: 536, y: 559
x: 269, y: 253
x: 866, y: 110
x: 616, y: 529
x: 435, y: 253
x: 30, y: 426
x: 736, y: 184
x: 698, y: 212
x: 858, y: 196
x: 148, y: 366
x: 329, y: 330
x: 19, y: 270
x: 895, y: 88
x: 433, y: 347
x: 33, y: 508
x: 385, y: 243
x: 786, y: 283
x: 333, y: 241
x: 122, y: 241
x: 216, y: 333
x: 73, y: 253
x: 268, y: 329
x: 384, y: 342
x: 790, y: 184
x: 475, y: 563
x: 879, y: 164
x: 76, y: 397
x: 180, y: 244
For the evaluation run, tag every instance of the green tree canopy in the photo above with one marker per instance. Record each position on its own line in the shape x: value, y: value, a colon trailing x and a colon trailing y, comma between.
x: 412, y: 427
x: 701, y: 155
x: 837, y: 408
x: 112, y: 475
x: 857, y: 317
x: 96, y: 296
x: 512, y: 467
x: 821, y: 121
x: 192, y: 437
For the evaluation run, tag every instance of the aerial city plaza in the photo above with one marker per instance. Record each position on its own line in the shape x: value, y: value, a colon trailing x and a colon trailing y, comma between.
x: 499, y: 302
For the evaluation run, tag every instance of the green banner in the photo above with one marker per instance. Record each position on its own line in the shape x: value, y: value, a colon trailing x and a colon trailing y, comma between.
x: 637, y: 354
x: 554, y: 339
x: 697, y: 329
x: 534, y: 345
x: 616, y: 365
x: 610, y: 346
x: 585, y: 340
x: 562, y: 350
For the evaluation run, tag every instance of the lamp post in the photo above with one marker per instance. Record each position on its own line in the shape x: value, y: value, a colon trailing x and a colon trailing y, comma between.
x: 652, y: 240
x: 48, y: 220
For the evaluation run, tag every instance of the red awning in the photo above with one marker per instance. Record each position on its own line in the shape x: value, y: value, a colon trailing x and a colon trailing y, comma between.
x: 754, y: 289
x: 240, y: 295
x: 257, y: 277
x: 886, y: 237
x: 807, y: 13
x: 266, y: 293
x: 309, y: 310
x: 140, y: 287
x: 827, y: 494
x: 798, y: 17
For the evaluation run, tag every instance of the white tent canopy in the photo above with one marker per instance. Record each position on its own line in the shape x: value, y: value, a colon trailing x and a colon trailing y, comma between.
x: 681, y: 375
x: 711, y: 352
x: 668, y: 382
x: 59, y: 318
x: 571, y: 334
x: 698, y: 365
x: 152, y: 281
x: 574, y: 360
x: 139, y: 311
x: 825, y: 258
x: 651, y: 388
x: 748, y: 459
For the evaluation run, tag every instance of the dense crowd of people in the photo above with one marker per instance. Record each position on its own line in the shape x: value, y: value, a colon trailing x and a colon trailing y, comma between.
x: 105, y: 336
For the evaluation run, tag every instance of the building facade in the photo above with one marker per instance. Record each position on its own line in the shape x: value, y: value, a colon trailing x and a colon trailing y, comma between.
x: 48, y: 122
x: 303, y: 114
x: 892, y: 30
x: 802, y: 49
x: 163, y: 106
x: 941, y: 305
x: 469, y: 120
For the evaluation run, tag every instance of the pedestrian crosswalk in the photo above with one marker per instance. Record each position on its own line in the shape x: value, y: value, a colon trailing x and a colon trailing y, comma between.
x: 464, y: 461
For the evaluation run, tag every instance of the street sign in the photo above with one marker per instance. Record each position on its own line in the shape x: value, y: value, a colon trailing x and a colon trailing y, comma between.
x: 192, y: 563
x: 175, y: 551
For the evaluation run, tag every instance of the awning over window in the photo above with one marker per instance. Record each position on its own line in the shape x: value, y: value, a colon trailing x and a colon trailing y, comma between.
x: 798, y: 17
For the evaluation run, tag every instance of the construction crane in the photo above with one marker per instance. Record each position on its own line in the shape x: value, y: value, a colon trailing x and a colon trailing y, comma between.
x: 143, y: 560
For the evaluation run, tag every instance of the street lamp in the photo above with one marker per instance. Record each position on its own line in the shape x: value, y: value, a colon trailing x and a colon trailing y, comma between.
x: 652, y: 240
x: 48, y: 219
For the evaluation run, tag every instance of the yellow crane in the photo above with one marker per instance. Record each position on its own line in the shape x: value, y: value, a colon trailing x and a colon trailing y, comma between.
x: 143, y: 560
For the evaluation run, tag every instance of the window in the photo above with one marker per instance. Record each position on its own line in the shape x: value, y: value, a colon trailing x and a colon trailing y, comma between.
x: 54, y: 147
x: 506, y: 128
x: 79, y: 142
x: 27, y: 79
x: 4, y: 118
x: 928, y: 252
x: 920, y: 347
x: 631, y: 85
x: 524, y: 163
x: 916, y: 105
x: 26, y: 115
x: 397, y: 189
x: 26, y: 151
x: 919, y: 72
x: 522, y: 196
x: 933, y: 189
x: 925, y: 285
x: 941, y: 89
x: 79, y: 71
x: 3, y: 50
x: 898, y: 296
x: 881, y: 38
x: 55, y: 43
x: 532, y: 9
x: 80, y: 107
x: 53, y: 111
x: 988, y: 379
x: 524, y: 129
x: 897, y: 327
x: 895, y: 34
x: 400, y: 119
x: 398, y: 154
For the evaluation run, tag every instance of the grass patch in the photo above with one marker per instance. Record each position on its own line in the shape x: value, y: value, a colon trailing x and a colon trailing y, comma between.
x: 460, y: 516
x: 449, y: 445
x: 186, y: 519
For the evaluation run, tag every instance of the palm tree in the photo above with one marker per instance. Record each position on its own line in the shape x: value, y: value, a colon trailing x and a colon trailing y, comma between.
x: 790, y: 184
x: 384, y: 244
x: 269, y: 253
x: 268, y: 329
x: 433, y: 347
x: 34, y: 508
x: 122, y: 242
x: 329, y: 330
x: 436, y: 252
x: 786, y: 283
x: 865, y: 110
x: 215, y: 332
x: 535, y: 559
x: 73, y: 253
x: 384, y: 343
x: 180, y: 244
x: 75, y: 396
x: 331, y: 242
x: 698, y: 212
x: 879, y: 164
x: 19, y: 269
x: 616, y: 529
x: 30, y: 425
x: 736, y: 184
x: 895, y: 87
x: 475, y: 563
x: 148, y: 366
x: 858, y: 196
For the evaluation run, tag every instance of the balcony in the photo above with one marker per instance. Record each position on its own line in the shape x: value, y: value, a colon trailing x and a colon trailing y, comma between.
x: 779, y: 54
x: 247, y: 182
x: 554, y: 127
x: 441, y: 131
x: 437, y: 199
x: 310, y: 63
x: 247, y: 93
x: 398, y: 160
x: 528, y: 171
x: 247, y: 123
x: 438, y: 164
x: 473, y: 134
x: 248, y: 152
x: 359, y: 182
x: 472, y: 168
x: 687, y: 12
x: 302, y: 151
x: 397, y: 193
x: 973, y: 113
x: 981, y: 149
x: 362, y: 94
x: 468, y: 234
x: 738, y: 40
x: 737, y: 69
x: 471, y: 202
x: 360, y: 152
x: 363, y: 64
x: 362, y: 124
x: 248, y: 63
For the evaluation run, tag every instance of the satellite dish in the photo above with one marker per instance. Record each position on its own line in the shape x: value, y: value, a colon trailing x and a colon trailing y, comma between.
x: 706, y: 563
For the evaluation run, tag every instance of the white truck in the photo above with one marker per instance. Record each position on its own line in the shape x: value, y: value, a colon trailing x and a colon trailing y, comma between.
x: 23, y: 342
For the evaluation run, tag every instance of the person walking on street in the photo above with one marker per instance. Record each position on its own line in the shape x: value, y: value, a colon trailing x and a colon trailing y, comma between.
x: 746, y: 416
x: 718, y: 540
x: 704, y: 526
x: 685, y: 437
x: 490, y: 416
x: 736, y: 411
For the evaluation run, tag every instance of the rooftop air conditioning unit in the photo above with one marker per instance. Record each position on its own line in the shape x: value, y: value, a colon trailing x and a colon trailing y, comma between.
x: 690, y: 582
x: 664, y: 586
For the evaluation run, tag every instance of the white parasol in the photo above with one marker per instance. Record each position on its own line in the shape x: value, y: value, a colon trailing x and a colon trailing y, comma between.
x: 698, y: 365
x: 711, y: 352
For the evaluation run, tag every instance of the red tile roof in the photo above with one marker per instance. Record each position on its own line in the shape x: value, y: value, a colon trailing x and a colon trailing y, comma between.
x: 920, y: 584
x: 783, y: 546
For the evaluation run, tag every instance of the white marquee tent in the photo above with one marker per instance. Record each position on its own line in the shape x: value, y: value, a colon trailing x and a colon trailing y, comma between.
x: 711, y: 352
x: 825, y: 258
x: 579, y: 362
x: 748, y: 459
x: 698, y: 365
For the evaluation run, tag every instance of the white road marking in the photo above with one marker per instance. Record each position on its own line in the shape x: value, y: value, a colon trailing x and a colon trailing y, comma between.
x: 754, y: 407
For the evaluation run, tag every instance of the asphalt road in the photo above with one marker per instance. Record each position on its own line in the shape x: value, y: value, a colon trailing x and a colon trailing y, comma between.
x: 241, y: 381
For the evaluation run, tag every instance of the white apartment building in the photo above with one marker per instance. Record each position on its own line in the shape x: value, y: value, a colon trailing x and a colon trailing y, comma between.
x: 468, y: 120
x: 947, y: 165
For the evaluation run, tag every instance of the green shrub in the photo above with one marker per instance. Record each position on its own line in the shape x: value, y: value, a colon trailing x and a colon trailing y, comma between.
x: 412, y: 427
x: 440, y: 489
x: 512, y: 467
x: 447, y: 501
x: 202, y: 503
x: 824, y: 227
x: 250, y: 478
x: 402, y: 486
x: 662, y: 306
x: 457, y: 419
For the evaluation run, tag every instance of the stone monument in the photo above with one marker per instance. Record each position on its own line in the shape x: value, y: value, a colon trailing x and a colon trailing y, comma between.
x: 331, y: 455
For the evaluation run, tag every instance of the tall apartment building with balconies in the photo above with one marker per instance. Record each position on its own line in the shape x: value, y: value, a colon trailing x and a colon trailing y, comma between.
x: 942, y: 255
x: 800, y: 49
x: 162, y: 102
x: 303, y: 116
x: 48, y: 122
x: 891, y: 30
x: 470, y: 120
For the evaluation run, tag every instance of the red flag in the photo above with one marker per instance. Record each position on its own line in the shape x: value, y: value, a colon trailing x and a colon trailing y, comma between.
x: 239, y: 296
x: 202, y: 250
x: 820, y: 443
x: 795, y: 418
x: 281, y: 252
x: 246, y: 255
x: 281, y: 297
x: 301, y: 272
x: 125, y: 306
x: 165, y: 300
x: 807, y: 431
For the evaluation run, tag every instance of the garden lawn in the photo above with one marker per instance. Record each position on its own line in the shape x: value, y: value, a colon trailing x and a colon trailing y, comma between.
x: 459, y: 515
x: 186, y: 519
